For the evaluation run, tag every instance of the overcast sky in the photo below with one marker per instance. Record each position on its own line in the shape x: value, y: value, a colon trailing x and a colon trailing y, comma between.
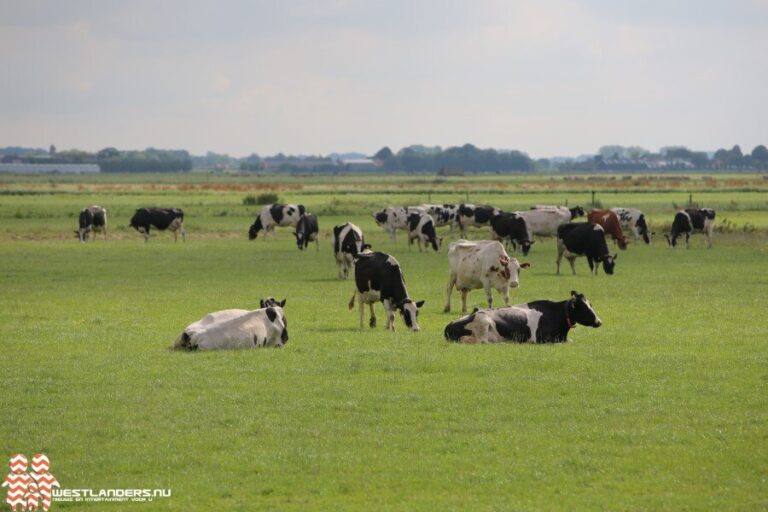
x: 315, y: 76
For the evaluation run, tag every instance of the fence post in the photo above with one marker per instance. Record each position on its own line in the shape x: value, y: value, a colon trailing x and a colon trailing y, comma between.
x: 593, y: 199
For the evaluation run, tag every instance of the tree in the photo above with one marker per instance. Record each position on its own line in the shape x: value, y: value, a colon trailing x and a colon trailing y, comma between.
x: 760, y: 156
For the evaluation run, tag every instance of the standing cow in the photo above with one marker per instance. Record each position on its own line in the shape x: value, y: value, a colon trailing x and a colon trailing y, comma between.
x: 275, y: 215
x: 307, y: 230
x: 236, y: 328
x: 443, y: 214
x: 481, y: 264
x: 92, y: 219
x: 378, y: 277
x: 692, y: 220
x: 513, y: 228
x: 611, y: 225
x: 393, y: 218
x: 633, y: 220
x: 584, y: 239
x: 421, y: 227
x: 545, y: 221
x: 348, y: 242
x: 471, y: 215
x: 161, y: 219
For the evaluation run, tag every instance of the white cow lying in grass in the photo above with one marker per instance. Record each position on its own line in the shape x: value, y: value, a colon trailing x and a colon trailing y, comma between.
x: 236, y: 328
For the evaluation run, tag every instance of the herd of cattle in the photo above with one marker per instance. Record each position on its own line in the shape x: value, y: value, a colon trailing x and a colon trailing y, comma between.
x: 481, y: 264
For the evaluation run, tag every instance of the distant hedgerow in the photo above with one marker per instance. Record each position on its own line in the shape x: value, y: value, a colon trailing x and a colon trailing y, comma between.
x: 265, y: 198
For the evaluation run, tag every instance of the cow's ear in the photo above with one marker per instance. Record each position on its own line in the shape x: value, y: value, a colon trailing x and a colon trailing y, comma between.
x: 574, y: 293
x: 475, y: 309
x: 261, y: 303
x: 271, y: 314
x: 282, y: 303
x: 525, y: 265
x: 420, y: 303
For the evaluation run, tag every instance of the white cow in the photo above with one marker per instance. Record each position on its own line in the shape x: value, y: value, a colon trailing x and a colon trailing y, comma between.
x: 393, y: 218
x: 633, y: 220
x: 545, y: 221
x: 236, y: 328
x: 481, y: 264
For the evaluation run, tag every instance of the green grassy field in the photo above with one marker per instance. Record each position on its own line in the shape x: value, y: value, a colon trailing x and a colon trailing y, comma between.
x: 662, y: 408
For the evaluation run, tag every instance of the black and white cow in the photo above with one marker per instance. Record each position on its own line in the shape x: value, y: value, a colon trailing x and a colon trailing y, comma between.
x: 443, y: 214
x: 161, y: 219
x: 236, y: 328
x: 513, y: 228
x: 576, y: 211
x: 692, y: 220
x: 275, y: 215
x: 378, y: 277
x: 584, y: 239
x: 348, y: 242
x: 393, y: 218
x: 471, y: 215
x: 307, y: 230
x: 421, y: 227
x: 541, y: 321
x: 633, y: 220
x: 92, y: 219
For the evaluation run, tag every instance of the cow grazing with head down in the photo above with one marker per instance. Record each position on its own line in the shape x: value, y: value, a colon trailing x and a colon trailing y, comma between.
x: 692, y: 220
x: 393, y: 218
x: 513, y: 228
x: 161, y: 219
x: 481, y: 264
x: 541, y: 321
x: 236, y: 328
x: 378, y: 278
x: 544, y: 221
x: 307, y: 230
x: 275, y: 215
x: 584, y: 239
x: 348, y: 242
x: 471, y: 215
x: 611, y: 225
x: 633, y: 220
x: 92, y: 219
x: 421, y: 227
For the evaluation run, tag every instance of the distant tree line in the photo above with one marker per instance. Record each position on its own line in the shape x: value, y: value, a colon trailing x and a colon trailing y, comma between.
x: 466, y: 157
x: 111, y: 159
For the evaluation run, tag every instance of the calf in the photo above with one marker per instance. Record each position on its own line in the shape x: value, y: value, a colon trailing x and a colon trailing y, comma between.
x: 513, y: 228
x: 541, y: 321
x: 161, y: 219
x: 393, y: 218
x: 236, y: 328
x: 443, y: 215
x: 482, y: 264
x: 633, y: 220
x: 307, y: 231
x: 584, y: 239
x: 546, y: 221
x: 692, y: 220
x: 348, y: 242
x: 275, y: 215
x: 92, y: 219
x: 421, y: 227
x: 471, y: 215
x: 378, y: 277
x: 611, y: 225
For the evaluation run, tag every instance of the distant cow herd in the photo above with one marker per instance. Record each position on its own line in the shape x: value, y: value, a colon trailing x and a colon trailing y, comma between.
x: 472, y: 264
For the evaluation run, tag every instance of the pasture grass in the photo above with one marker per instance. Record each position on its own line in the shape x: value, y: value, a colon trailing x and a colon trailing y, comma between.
x: 662, y: 408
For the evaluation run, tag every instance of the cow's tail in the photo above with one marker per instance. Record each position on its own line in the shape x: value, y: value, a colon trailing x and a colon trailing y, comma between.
x: 351, y: 304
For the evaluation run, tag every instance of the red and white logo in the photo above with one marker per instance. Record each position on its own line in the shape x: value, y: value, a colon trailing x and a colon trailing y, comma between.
x: 28, y: 491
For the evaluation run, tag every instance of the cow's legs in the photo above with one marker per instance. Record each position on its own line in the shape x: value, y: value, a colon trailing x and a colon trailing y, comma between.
x: 687, y: 238
x: 410, y: 242
x: 390, y: 315
x: 505, y: 292
x: 144, y: 231
x: 418, y: 240
x: 448, y: 292
x: 708, y: 234
x: 464, y: 300
x: 317, y: 243
x: 572, y: 261
x: 372, y: 322
x: 560, y: 251
x: 489, y: 294
x: 362, y: 309
x: 183, y: 233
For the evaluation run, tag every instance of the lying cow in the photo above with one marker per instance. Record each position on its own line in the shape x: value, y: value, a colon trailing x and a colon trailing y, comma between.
x: 584, y: 239
x: 348, y: 242
x: 513, y: 228
x: 541, y: 321
x: 421, y: 227
x: 393, y: 218
x: 546, y: 221
x: 307, y: 230
x: 91, y: 219
x: 378, y: 277
x: 275, y: 215
x: 692, y: 220
x: 236, y: 328
x: 633, y: 220
x: 443, y: 214
x: 481, y: 264
x: 611, y: 225
x: 471, y: 215
x: 161, y: 219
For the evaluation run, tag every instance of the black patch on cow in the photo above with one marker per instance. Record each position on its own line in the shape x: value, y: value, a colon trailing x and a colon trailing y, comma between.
x: 381, y: 218
x: 276, y: 212
x: 483, y: 214
x: 455, y: 330
x: 375, y: 271
x: 581, y: 238
x: 305, y: 228
x: 271, y: 314
x: 512, y: 325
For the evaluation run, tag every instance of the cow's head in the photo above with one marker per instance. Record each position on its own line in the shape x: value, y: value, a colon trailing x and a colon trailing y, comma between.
x: 642, y: 228
x: 271, y: 301
x: 508, y: 270
x: 459, y: 329
x: 580, y: 311
x: 278, y: 326
x: 671, y: 240
x: 436, y: 243
x: 380, y: 217
x: 409, y: 310
x: 253, y: 231
x: 622, y: 242
x: 526, y: 246
x: 82, y: 234
x: 609, y: 262
x: 576, y: 211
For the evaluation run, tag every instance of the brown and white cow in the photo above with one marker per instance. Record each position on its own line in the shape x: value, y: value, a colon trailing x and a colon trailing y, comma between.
x: 611, y: 225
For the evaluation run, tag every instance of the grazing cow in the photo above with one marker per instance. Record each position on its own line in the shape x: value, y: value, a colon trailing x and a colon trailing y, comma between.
x: 545, y: 221
x: 513, y: 228
x: 393, y: 218
x: 481, y: 264
x: 271, y: 301
x: 471, y: 215
x: 348, y: 242
x: 633, y: 220
x: 692, y: 220
x: 92, y: 219
x: 236, y: 328
x: 541, y: 321
x: 161, y: 219
x: 378, y: 277
x: 275, y: 215
x: 421, y: 227
x: 443, y: 214
x: 611, y: 225
x: 584, y: 239
x: 307, y: 231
